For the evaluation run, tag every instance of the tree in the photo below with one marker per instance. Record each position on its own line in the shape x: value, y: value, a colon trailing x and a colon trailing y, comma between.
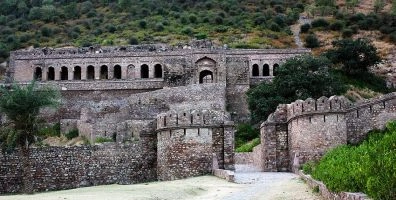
x: 354, y: 56
x: 22, y: 104
x: 298, y: 78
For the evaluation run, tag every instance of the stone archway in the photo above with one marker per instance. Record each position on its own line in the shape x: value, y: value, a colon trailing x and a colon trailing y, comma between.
x: 206, y: 76
x: 206, y: 70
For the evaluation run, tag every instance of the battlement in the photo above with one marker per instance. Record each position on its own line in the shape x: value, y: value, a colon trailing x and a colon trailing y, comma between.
x: 322, y: 105
x: 191, y: 119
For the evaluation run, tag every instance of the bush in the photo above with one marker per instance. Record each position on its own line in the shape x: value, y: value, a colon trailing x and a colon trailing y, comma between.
x: 337, y: 25
x: 305, y: 28
x: 309, y: 167
x: 347, y: 33
x: 133, y: 41
x: 392, y: 37
x: 275, y: 27
x: 142, y: 24
x: 103, y: 140
x: 245, y: 133
x: 367, y: 168
x: 311, y: 41
x: 320, y: 23
x: 159, y: 27
x: 248, y: 147
x: 72, y: 134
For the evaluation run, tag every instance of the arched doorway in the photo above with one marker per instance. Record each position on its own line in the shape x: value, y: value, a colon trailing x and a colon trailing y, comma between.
x: 51, y: 74
x: 157, y: 71
x: 206, y: 76
x: 144, y: 71
x: 77, y: 73
x: 64, y: 73
x: 117, y: 72
x: 266, y: 70
x: 255, y: 70
x: 38, y: 74
x: 104, y: 72
x: 90, y: 72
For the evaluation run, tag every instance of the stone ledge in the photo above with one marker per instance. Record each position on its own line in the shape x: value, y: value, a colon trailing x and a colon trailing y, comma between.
x: 228, y: 175
x: 327, y: 194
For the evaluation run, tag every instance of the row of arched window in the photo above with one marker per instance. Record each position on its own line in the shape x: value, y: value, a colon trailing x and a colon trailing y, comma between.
x: 265, y: 71
x: 90, y: 72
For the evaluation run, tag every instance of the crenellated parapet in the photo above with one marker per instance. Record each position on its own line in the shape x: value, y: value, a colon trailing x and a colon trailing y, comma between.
x: 191, y: 119
x: 322, y: 105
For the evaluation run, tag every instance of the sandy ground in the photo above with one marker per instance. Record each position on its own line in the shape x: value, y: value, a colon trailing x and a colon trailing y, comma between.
x: 271, y: 186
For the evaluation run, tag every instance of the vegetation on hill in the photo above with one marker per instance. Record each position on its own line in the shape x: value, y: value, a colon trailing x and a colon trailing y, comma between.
x: 369, y: 167
x: 240, y: 24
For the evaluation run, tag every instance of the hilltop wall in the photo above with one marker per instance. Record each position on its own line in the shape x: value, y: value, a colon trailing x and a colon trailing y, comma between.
x: 56, y: 168
x: 304, y: 130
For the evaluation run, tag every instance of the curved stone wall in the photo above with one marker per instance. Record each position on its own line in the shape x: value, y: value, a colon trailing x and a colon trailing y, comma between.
x: 189, y: 140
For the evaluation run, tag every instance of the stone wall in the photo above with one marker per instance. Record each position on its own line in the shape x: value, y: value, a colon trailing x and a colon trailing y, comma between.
x: 305, y: 130
x: 55, y: 168
x: 188, y: 141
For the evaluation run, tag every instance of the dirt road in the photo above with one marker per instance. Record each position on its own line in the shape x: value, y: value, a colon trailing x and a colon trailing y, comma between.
x: 251, y: 185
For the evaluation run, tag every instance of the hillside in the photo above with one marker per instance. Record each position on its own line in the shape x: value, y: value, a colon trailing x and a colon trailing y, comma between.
x: 56, y: 23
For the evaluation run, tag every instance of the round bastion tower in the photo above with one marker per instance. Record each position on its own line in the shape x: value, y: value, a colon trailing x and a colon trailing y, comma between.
x: 193, y: 142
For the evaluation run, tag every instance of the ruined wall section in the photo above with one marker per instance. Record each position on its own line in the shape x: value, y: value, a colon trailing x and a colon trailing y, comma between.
x: 368, y: 115
x: 57, y: 168
x: 188, y: 140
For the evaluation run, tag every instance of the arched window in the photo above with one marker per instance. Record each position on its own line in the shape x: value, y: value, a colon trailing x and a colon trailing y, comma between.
x: 117, y: 72
x: 157, y: 71
x: 38, y: 74
x: 266, y: 70
x: 104, y: 72
x: 64, y: 73
x: 206, y: 76
x: 255, y: 70
x: 90, y: 72
x: 51, y: 73
x: 275, y: 69
x: 144, y: 71
x: 77, y: 73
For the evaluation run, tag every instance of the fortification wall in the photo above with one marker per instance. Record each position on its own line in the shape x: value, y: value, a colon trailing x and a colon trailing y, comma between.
x: 305, y: 130
x: 56, y: 168
x: 368, y: 115
x: 188, y: 140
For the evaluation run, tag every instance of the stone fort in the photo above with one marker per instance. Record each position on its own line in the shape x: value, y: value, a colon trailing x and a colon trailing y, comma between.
x: 171, y: 111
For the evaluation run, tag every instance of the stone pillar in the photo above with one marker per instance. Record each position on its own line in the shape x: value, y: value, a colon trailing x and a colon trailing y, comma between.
x: 229, y: 131
x: 151, y: 71
x: 84, y: 73
x: 110, y: 72
x: 268, y: 142
x: 97, y: 73
x: 124, y: 72
x: 57, y: 73
x: 44, y: 74
x: 70, y: 71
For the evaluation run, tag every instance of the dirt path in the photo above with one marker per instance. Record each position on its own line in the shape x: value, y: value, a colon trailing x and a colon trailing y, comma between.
x: 251, y: 185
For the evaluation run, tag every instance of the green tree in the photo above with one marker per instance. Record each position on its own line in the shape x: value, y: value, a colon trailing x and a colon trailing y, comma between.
x: 354, y: 56
x: 378, y: 5
x: 311, y: 41
x: 298, y: 78
x: 22, y: 104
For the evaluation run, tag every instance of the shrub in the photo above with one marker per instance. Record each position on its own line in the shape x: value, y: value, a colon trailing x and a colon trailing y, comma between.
x: 392, y: 37
x: 320, y: 23
x: 309, y: 167
x: 103, y: 140
x: 337, y: 25
x: 192, y: 18
x: 159, y: 27
x: 72, y: 134
x: 245, y: 133
x: 201, y: 36
x: 305, y: 28
x: 133, y: 41
x: 347, y: 33
x: 275, y: 27
x: 311, y: 41
x: 248, y: 147
x: 367, y: 168
x: 142, y: 24
x: 187, y: 31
